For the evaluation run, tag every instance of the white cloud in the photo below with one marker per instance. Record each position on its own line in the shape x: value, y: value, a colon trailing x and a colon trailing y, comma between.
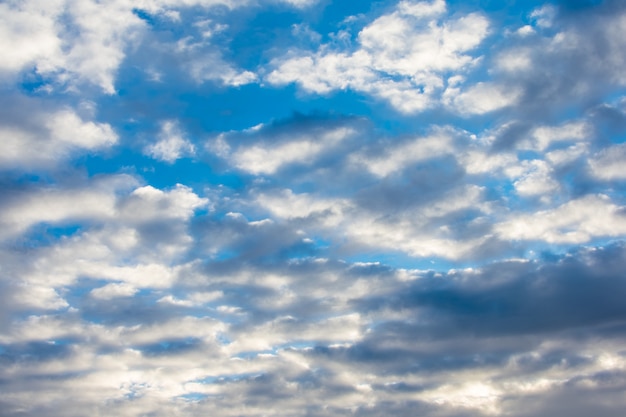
x: 90, y: 50
x: 53, y: 205
x: 415, y: 232
x: 39, y: 297
x: 543, y: 137
x: 133, y: 240
x: 577, y: 221
x: 147, y: 204
x: 414, y: 151
x: 171, y: 144
x: 610, y: 163
x: 476, y: 394
x: 113, y: 290
x: 194, y: 300
x: 478, y: 161
x: 482, y: 98
x: 133, y: 309
x: 267, y: 158
x: 211, y: 67
x: 515, y: 60
x: 401, y: 58
x: 567, y: 155
x: 300, y: 3
x: 418, y: 232
x: 422, y: 9
x: 288, y: 205
x: 544, y: 16
x: 74, y: 42
x: 28, y: 35
x: 56, y: 136
x: 337, y: 329
x: 536, y: 179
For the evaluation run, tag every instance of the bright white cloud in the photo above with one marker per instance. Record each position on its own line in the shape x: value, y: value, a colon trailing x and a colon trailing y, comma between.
x: 481, y: 98
x: 543, y: 137
x: 536, y: 180
x: 171, y: 144
x: 289, y: 205
x: 412, y: 232
x: 610, y: 163
x: 147, y: 204
x: 53, y: 205
x: 90, y: 50
x: 401, y: 57
x: 113, y: 290
x: 58, y: 136
x: 85, y: 41
x: 577, y: 221
x: 268, y: 158
x: 415, y: 151
x: 515, y: 60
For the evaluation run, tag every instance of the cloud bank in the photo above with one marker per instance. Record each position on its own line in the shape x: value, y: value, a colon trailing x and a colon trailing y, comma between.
x: 312, y: 208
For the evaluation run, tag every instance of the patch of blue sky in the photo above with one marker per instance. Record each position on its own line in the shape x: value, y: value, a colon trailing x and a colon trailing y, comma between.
x: 400, y: 260
x: 33, y: 82
x: 275, y: 350
x: 171, y: 346
x: 42, y: 235
x: 225, y: 379
x: 194, y: 397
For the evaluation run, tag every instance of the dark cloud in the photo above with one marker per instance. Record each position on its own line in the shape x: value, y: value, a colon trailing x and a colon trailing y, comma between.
x: 578, y: 290
x: 415, y: 186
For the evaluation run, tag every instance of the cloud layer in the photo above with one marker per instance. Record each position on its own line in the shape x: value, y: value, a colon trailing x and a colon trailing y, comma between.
x: 250, y: 208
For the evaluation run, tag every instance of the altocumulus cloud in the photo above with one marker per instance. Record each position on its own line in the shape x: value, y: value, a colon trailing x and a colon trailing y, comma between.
x: 312, y: 208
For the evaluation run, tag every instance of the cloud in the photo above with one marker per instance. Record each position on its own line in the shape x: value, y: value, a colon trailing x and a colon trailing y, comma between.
x: 460, y: 253
x: 171, y: 144
x: 482, y: 98
x: 577, y: 221
x: 57, y: 135
x: 401, y: 57
x: 76, y: 42
x: 608, y: 164
x: 104, y: 31
x: 268, y: 159
x: 113, y: 290
x: 267, y: 150
x: 543, y: 137
x: 50, y: 205
x: 439, y: 143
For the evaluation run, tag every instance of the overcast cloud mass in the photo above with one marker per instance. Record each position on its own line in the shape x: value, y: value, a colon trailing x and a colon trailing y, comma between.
x: 312, y: 208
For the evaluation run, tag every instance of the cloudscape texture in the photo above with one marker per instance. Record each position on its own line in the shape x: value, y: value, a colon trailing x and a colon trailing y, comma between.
x: 312, y: 208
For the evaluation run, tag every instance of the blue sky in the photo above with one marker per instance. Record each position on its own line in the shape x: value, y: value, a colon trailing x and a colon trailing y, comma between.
x: 312, y: 208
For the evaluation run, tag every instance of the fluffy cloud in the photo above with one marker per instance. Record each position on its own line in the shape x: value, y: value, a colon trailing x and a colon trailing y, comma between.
x: 401, y: 57
x: 77, y: 42
x: 55, y: 135
x: 440, y: 143
x: 494, y: 358
x: 104, y: 31
x: 608, y: 164
x: 266, y: 150
x: 482, y: 98
x: 171, y: 144
x: 459, y: 253
x: 577, y: 221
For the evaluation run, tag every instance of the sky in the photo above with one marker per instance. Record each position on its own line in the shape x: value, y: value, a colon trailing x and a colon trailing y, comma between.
x: 312, y: 208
